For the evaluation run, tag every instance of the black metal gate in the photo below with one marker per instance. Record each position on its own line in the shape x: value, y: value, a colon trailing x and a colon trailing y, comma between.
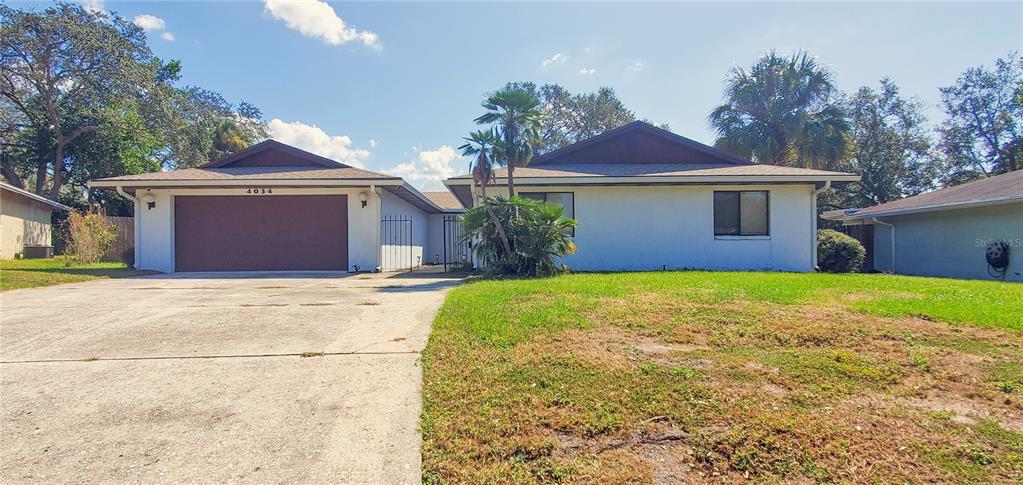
x: 396, y: 249
x: 456, y: 252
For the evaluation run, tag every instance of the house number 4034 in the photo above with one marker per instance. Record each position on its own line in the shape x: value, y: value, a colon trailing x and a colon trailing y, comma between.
x: 259, y: 191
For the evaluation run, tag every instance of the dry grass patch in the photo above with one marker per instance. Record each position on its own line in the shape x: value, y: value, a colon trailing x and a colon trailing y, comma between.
x: 670, y: 379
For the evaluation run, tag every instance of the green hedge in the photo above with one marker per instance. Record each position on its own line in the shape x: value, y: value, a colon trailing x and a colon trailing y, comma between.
x: 838, y: 253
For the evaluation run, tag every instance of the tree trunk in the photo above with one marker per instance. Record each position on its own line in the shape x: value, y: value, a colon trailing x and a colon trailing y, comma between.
x: 781, y: 157
x: 41, y: 176
x: 58, y: 170
x: 58, y: 157
x: 511, y: 179
x: 493, y: 218
x: 500, y: 230
x: 12, y: 176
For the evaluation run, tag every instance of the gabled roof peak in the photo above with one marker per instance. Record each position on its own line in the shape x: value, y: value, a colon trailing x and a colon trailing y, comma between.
x: 650, y: 145
x: 291, y: 157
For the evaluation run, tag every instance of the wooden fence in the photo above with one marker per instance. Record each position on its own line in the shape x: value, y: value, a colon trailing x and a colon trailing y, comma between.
x: 124, y: 246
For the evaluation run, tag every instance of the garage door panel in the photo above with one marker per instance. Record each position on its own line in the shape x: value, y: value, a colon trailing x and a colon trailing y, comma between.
x: 239, y: 233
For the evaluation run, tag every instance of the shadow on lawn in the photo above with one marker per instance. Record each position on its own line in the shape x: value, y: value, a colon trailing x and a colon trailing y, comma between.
x: 98, y: 272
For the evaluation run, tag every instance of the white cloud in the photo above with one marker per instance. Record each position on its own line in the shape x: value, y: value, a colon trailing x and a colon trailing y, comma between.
x: 588, y: 71
x: 314, y: 18
x: 557, y: 58
x: 94, y: 6
x: 149, y: 22
x: 430, y: 169
x: 635, y: 67
x: 167, y: 36
x: 313, y: 139
x: 372, y: 143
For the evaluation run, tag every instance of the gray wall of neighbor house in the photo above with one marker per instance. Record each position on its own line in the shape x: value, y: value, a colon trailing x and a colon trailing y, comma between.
x: 23, y: 222
x: 950, y: 243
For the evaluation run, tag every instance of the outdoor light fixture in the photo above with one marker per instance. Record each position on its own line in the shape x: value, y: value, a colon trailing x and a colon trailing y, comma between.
x: 149, y: 199
x: 363, y: 197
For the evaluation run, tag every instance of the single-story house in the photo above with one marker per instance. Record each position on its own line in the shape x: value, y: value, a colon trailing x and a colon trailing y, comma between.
x: 25, y: 223
x: 948, y: 232
x: 275, y: 207
x: 648, y: 199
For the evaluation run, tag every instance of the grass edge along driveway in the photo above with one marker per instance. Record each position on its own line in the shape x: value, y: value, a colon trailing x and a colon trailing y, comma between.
x: 31, y: 273
x: 688, y: 376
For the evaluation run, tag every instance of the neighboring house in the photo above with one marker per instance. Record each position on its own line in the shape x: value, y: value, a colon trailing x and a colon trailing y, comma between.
x: 25, y: 223
x: 275, y: 207
x: 648, y: 199
x: 947, y: 232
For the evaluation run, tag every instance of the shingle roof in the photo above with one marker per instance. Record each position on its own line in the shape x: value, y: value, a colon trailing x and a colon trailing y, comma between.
x: 446, y: 200
x: 254, y: 173
x: 38, y: 198
x: 641, y: 127
x: 657, y: 170
x: 1001, y: 188
x: 288, y: 163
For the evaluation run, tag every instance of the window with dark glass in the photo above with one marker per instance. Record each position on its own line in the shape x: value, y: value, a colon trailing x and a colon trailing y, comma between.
x: 565, y: 200
x: 741, y: 213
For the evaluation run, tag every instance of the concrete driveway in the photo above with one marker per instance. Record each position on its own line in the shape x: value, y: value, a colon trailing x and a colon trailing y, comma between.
x: 275, y: 377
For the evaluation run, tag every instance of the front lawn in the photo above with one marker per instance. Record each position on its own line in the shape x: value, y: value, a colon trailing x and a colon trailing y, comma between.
x: 29, y: 273
x: 693, y: 376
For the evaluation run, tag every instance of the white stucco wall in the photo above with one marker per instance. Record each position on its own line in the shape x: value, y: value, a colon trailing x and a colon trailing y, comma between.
x: 394, y: 254
x: 155, y: 227
x: 456, y: 253
x: 672, y: 227
x: 23, y: 222
x: 950, y: 243
x: 435, y: 239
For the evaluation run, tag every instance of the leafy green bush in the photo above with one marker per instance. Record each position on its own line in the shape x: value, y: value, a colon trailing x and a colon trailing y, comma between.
x: 838, y: 253
x: 518, y: 236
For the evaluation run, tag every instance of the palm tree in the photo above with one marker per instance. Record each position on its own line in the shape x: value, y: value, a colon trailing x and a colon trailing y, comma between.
x: 517, y: 116
x: 481, y: 144
x: 782, y: 111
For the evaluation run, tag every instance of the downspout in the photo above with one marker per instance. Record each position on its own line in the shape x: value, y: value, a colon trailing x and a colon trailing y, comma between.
x: 138, y: 223
x: 892, y: 226
x: 813, y: 223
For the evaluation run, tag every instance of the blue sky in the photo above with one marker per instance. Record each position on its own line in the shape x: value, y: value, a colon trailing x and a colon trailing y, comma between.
x: 397, y: 85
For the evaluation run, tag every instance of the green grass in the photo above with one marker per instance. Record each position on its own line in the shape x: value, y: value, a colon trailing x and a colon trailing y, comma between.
x: 626, y: 377
x: 31, y: 273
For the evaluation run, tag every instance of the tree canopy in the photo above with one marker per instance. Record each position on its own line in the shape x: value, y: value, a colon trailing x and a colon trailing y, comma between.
x: 788, y: 111
x: 983, y: 132
x: 783, y: 110
x: 890, y: 146
x: 515, y: 116
x: 566, y: 118
x: 82, y: 96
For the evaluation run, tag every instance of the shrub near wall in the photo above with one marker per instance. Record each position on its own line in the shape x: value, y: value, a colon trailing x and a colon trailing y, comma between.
x: 838, y: 253
x: 89, y: 236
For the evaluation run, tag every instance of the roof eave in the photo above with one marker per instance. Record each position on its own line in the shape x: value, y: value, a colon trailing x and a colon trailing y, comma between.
x: 643, y: 180
x: 108, y: 183
x: 423, y: 202
x: 36, y: 197
x: 861, y: 215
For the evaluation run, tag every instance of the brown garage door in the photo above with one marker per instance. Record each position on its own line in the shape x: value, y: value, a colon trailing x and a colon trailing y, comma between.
x: 251, y: 233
